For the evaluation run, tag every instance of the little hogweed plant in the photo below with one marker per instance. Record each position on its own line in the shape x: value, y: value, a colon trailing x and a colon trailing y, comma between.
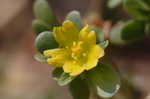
x: 76, y: 51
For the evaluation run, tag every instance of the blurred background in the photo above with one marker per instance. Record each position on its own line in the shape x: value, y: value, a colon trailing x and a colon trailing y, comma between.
x: 22, y: 77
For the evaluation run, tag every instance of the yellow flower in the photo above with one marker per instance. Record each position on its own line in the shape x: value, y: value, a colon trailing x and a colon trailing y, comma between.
x: 78, y: 50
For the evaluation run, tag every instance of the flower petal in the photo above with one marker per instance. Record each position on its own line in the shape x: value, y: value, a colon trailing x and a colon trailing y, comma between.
x: 91, y: 39
x: 66, y: 34
x: 95, y: 53
x: 73, y: 68
x: 88, y: 37
x: 56, y: 61
x: 57, y: 56
x: 78, y: 50
x: 84, y: 32
x: 54, y: 52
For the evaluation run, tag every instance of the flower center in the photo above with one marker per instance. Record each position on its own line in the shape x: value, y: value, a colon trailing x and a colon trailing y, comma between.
x: 77, y: 51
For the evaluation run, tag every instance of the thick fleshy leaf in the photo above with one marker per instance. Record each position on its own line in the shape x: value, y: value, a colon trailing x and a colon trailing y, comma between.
x: 147, y: 28
x: 104, y: 44
x: 104, y: 80
x: 61, y: 77
x: 40, y: 57
x: 43, y: 12
x: 133, y: 30
x: 75, y: 17
x: 45, y: 41
x: 40, y: 26
x: 113, y: 3
x: 65, y: 79
x: 57, y: 72
x: 138, y: 8
x: 99, y: 34
x: 115, y: 34
x: 79, y: 89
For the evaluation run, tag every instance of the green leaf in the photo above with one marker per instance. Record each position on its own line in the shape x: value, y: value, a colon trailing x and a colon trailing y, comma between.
x: 45, y: 41
x: 79, y: 89
x: 147, y: 29
x: 104, y: 44
x: 138, y: 8
x: 61, y: 77
x: 40, y: 26
x: 40, y: 57
x: 115, y: 34
x: 65, y: 79
x: 57, y: 72
x: 99, y: 34
x: 43, y: 12
x: 104, y: 79
x: 133, y: 30
x: 113, y: 3
x: 75, y: 17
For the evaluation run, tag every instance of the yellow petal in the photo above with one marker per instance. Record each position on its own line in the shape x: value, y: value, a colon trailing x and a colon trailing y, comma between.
x: 91, y: 39
x: 84, y: 32
x: 57, y: 56
x: 56, y: 61
x: 94, y: 54
x: 73, y: 68
x: 66, y: 34
x: 88, y: 37
x: 59, y: 36
x: 54, y: 52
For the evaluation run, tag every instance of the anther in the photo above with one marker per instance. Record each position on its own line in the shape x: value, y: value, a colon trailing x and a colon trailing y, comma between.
x: 74, y: 62
x: 67, y: 47
x: 84, y: 54
x: 74, y: 43
x: 80, y: 43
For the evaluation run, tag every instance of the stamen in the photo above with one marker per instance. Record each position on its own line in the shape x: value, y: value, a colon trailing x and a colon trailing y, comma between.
x: 80, y: 43
x: 74, y: 62
x: 74, y: 43
x: 84, y: 54
x: 73, y: 56
x: 67, y: 47
x: 76, y: 49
